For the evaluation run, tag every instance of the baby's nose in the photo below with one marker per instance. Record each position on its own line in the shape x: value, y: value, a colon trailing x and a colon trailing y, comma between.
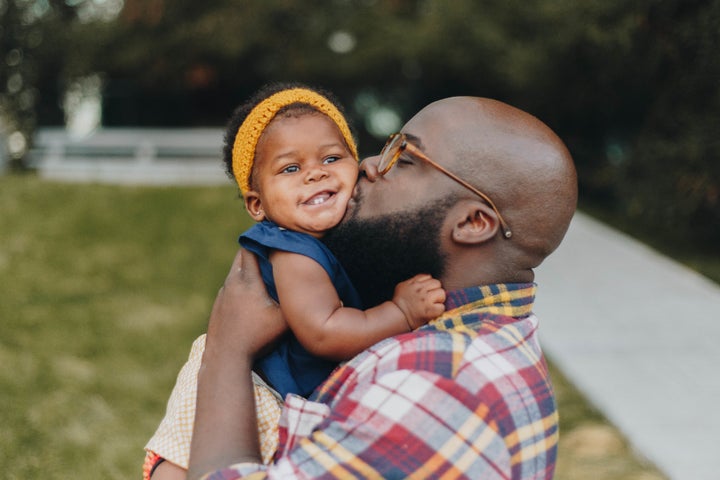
x: 316, y: 173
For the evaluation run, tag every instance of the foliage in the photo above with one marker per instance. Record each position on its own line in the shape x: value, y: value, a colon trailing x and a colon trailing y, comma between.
x: 672, y: 180
x: 41, y: 49
x: 631, y: 86
x: 104, y: 289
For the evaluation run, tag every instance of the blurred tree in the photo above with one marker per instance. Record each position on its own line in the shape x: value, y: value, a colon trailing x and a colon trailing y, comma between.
x: 39, y: 50
x: 672, y: 177
x: 631, y: 86
x: 20, y: 37
x: 634, y: 88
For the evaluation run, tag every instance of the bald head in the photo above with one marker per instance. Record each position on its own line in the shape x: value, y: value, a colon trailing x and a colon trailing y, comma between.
x: 416, y: 218
x: 512, y: 157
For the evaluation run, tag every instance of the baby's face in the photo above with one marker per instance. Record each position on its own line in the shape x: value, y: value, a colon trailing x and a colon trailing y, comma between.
x: 304, y: 173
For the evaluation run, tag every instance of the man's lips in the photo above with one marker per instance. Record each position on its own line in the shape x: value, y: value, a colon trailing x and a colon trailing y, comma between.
x: 354, y: 202
x: 356, y: 192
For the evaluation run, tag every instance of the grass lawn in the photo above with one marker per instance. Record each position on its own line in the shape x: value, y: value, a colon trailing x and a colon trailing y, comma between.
x: 103, y: 289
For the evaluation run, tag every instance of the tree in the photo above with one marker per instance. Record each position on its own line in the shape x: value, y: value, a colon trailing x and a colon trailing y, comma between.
x: 630, y: 86
x: 672, y: 180
x: 39, y: 47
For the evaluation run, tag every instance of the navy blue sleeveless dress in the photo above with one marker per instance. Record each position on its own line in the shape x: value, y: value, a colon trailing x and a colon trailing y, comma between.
x: 290, y: 368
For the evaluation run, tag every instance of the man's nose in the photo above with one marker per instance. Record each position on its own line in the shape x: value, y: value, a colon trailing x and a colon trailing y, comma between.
x: 369, y: 168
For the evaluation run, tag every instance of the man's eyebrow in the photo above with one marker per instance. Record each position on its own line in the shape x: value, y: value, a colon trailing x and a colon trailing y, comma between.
x: 415, y: 140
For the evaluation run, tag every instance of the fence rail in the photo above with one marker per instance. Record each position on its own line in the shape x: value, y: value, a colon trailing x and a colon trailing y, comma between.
x: 131, y: 156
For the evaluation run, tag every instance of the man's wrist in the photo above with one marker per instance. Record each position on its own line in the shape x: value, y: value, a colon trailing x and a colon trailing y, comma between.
x: 225, y: 430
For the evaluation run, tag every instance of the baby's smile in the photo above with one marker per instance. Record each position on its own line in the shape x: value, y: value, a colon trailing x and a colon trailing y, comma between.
x: 319, y: 198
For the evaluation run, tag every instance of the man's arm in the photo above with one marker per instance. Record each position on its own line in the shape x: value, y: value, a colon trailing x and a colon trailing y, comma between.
x: 243, y: 322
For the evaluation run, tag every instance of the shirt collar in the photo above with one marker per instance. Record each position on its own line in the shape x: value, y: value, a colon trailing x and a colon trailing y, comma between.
x: 506, y: 299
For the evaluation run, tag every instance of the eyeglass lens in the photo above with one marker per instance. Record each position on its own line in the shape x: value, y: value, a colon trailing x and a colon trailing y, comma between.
x: 389, y: 153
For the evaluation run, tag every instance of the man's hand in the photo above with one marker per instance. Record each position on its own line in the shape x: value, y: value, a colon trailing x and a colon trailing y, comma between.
x: 421, y: 299
x: 244, y: 322
x: 244, y: 319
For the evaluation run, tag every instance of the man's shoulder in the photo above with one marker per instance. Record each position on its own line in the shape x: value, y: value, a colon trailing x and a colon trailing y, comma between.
x: 443, y: 347
x: 425, y: 349
x: 442, y: 337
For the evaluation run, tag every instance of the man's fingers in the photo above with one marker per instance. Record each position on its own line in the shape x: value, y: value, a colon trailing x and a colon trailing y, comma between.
x: 244, y: 267
x: 249, y: 266
x: 236, y: 265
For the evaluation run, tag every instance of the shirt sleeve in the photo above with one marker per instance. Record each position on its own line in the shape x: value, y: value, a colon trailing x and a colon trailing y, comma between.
x: 171, y: 440
x: 384, y: 430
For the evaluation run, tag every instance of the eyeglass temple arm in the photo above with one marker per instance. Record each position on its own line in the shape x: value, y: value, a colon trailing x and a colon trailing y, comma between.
x: 506, y: 229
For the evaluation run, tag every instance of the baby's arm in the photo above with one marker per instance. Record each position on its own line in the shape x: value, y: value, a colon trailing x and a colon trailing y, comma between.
x: 315, y: 314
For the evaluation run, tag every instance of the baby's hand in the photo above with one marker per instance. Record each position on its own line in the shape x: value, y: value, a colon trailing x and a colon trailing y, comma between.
x: 421, y: 299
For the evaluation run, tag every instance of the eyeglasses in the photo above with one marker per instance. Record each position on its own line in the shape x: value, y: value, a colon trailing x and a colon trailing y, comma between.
x: 397, y: 144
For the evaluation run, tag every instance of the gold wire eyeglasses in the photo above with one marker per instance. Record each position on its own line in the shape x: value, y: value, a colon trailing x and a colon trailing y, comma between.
x: 398, y: 143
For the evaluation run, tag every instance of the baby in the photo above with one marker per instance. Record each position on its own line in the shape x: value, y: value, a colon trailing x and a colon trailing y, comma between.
x: 295, y: 161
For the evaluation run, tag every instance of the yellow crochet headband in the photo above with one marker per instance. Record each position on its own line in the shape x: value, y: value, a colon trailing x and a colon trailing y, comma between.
x: 248, y: 134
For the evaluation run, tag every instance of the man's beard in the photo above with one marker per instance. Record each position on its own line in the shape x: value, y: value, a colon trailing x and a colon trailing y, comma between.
x: 381, y: 252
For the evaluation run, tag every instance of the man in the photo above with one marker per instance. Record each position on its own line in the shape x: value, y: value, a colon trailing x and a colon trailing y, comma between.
x: 468, y: 395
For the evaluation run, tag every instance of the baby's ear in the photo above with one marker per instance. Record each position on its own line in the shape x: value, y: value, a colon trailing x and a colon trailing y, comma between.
x: 253, y: 205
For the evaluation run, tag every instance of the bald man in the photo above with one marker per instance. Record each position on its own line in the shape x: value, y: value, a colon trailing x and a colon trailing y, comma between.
x: 476, y: 193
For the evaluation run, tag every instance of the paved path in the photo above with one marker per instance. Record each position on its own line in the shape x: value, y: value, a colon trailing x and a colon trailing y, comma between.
x: 639, y: 335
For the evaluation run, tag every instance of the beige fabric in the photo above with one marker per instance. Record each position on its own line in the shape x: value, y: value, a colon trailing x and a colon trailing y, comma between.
x: 172, y: 438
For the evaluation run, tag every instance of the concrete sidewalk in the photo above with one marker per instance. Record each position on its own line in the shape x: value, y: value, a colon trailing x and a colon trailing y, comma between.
x: 639, y: 335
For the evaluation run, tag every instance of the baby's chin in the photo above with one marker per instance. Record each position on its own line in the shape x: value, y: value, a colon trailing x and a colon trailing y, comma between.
x: 319, y: 229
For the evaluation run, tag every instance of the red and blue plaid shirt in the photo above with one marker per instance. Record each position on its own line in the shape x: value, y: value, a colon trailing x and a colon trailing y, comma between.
x: 466, y: 396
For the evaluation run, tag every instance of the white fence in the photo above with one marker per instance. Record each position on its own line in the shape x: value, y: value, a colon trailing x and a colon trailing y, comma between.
x: 131, y: 156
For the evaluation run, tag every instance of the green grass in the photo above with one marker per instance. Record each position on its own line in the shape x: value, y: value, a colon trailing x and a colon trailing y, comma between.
x: 103, y: 289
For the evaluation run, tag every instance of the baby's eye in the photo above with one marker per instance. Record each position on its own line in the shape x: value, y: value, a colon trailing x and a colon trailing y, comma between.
x: 290, y: 169
x: 331, y: 159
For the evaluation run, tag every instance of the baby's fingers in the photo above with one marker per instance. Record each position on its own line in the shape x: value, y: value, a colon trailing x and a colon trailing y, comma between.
x: 438, y: 295
x: 435, y: 310
x: 421, y: 277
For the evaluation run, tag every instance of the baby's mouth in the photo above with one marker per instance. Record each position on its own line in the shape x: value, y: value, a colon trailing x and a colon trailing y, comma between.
x: 319, y: 198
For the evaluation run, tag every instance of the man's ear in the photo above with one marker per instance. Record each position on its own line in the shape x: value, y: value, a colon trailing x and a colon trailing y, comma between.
x: 253, y: 205
x: 474, y: 223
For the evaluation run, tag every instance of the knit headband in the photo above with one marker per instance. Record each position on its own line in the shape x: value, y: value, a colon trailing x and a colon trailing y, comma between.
x: 248, y: 134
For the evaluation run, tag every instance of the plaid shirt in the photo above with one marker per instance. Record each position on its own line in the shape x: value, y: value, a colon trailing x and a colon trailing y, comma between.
x: 466, y: 396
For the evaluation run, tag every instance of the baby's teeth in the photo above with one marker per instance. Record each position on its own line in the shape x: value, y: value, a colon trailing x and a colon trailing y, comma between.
x: 318, y: 200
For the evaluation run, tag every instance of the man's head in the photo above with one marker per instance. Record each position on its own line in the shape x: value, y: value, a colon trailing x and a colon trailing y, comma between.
x: 507, y: 154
